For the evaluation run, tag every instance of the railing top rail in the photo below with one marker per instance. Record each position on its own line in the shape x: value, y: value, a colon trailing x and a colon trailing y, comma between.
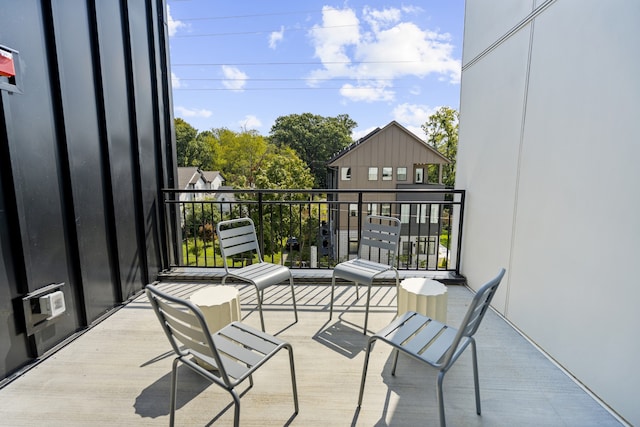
x: 317, y: 191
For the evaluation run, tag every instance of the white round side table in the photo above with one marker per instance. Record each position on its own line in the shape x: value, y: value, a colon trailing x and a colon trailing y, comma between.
x: 424, y: 296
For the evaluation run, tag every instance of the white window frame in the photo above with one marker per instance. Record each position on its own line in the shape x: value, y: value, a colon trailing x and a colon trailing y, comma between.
x: 373, y: 173
x: 387, y: 173
x: 419, y: 176
x: 435, y: 213
x: 421, y: 217
x: 345, y: 173
x: 401, y: 174
x: 405, y: 213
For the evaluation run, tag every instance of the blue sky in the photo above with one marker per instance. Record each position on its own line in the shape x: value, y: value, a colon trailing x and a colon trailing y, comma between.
x: 241, y: 64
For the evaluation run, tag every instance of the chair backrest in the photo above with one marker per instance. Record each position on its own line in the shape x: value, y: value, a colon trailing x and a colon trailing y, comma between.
x: 475, y: 313
x: 380, y: 236
x: 185, y: 327
x: 236, y: 236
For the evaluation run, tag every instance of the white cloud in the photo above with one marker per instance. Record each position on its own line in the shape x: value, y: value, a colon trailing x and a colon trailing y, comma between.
x: 381, y: 46
x: 250, y: 122
x: 237, y: 79
x: 412, y: 114
x: 187, y: 112
x: 175, y: 81
x: 367, y: 92
x: 172, y: 24
x: 276, y: 37
x: 356, y: 135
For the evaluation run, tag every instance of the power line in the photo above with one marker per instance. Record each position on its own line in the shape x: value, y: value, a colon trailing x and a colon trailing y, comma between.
x: 308, y: 79
x: 245, y: 33
x: 257, y: 15
x: 245, y: 89
x: 219, y: 64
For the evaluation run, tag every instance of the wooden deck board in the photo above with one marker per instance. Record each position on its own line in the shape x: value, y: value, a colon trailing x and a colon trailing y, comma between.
x: 118, y: 373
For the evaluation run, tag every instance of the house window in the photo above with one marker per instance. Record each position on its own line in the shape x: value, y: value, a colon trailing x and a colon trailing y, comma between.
x: 353, y: 246
x: 427, y: 246
x: 435, y: 214
x: 372, y: 209
x: 405, y: 213
x: 401, y: 174
x: 419, y: 175
x: 373, y: 174
x: 387, y: 174
x: 353, y: 209
x: 385, y: 209
x: 346, y: 173
x: 422, y: 213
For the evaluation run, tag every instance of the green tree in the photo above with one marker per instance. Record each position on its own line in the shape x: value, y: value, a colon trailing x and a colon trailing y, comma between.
x: 442, y: 133
x: 240, y: 156
x: 315, y: 138
x: 283, y: 169
x: 185, y: 136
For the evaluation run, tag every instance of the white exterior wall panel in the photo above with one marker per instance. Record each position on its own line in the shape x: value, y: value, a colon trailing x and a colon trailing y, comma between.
x: 548, y: 156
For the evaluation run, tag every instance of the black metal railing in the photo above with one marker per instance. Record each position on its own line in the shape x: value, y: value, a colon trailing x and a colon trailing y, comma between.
x: 318, y: 228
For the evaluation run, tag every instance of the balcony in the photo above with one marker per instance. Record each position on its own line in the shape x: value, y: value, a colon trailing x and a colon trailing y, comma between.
x: 118, y: 373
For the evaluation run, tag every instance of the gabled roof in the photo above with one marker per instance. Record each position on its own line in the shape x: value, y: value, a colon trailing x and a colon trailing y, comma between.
x: 187, y: 175
x: 377, y: 132
x: 210, y: 176
x: 191, y: 174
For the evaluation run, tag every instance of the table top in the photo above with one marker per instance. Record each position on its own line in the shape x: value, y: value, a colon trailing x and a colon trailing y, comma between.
x: 214, y: 295
x: 421, y: 286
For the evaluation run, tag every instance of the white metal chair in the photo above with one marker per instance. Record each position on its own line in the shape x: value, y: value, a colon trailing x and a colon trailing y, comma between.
x: 376, y: 254
x: 435, y: 343
x: 235, y: 351
x: 237, y: 236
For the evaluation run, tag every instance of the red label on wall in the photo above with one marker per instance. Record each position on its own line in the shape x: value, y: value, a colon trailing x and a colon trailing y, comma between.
x: 7, y: 68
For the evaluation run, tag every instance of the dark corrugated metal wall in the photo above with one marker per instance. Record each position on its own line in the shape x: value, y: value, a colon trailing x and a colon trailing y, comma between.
x: 84, y: 151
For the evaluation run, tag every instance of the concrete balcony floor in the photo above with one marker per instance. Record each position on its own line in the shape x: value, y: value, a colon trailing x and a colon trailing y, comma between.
x: 118, y: 373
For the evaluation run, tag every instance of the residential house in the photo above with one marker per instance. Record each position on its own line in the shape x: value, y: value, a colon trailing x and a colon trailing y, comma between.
x: 192, y: 178
x: 389, y: 158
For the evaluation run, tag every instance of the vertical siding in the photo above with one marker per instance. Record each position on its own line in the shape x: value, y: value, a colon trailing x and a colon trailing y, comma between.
x: 82, y: 153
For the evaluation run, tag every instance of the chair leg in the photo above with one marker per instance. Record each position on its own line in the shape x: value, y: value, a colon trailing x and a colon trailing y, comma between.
x: 396, y: 352
x: 236, y: 408
x: 476, y: 380
x: 174, y: 392
x: 443, y: 423
x: 293, y: 378
x: 372, y: 341
x: 293, y: 295
x: 366, y: 312
x: 260, y: 294
x: 333, y: 285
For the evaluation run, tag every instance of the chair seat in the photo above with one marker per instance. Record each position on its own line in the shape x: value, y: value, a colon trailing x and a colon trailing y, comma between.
x: 359, y: 270
x: 420, y: 337
x: 261, y: 274
x: 242, y: 349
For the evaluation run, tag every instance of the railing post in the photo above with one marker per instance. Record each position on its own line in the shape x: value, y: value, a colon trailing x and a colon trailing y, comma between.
x: 460, y: 220
x: 260, y: 223
x: 360, y: 217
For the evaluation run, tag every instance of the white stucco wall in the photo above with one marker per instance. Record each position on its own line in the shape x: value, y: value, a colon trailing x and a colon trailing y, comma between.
x: 548, y: 155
